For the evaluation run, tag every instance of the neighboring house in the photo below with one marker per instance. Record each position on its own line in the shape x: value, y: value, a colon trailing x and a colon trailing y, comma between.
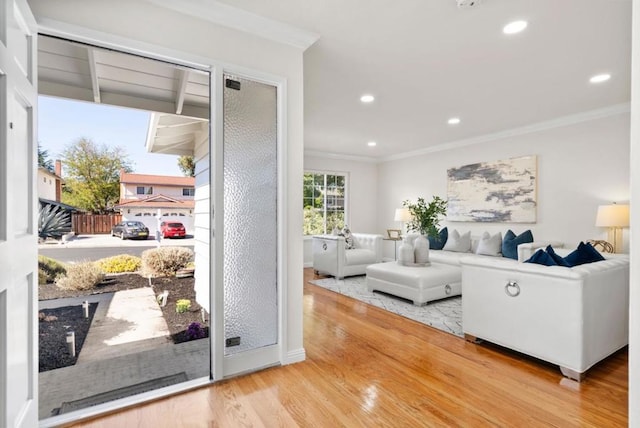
x: 50, y: 183
x: 152, y: 199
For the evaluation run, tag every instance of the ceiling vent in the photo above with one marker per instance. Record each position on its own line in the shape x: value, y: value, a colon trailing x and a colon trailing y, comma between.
x: 468, y: 4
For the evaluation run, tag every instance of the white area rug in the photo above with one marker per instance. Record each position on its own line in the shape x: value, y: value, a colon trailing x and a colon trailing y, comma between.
x: 445, y: 314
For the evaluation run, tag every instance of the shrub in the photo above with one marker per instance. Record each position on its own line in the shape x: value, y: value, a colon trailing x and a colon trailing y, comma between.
x: 120, y: 263
x: 81, y: 276
x: 165, y: 260
x: 183, y: 305
x: 53, y: 221
x: 49, y: 270
x: 195, y: 331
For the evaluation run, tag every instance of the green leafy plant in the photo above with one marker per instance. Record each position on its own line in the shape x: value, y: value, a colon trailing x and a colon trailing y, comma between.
x: 426, y: 216
x: 53, y: 221
x: 183, y: 305
x: 165, y: 260
x: 120, y: 263
x: 80, y: 277
x: 49, y: 270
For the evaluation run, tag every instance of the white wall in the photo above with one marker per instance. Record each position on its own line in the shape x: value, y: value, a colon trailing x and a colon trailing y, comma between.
x: 579, y: 167
x: 362, y: 199
x: 146, y: 23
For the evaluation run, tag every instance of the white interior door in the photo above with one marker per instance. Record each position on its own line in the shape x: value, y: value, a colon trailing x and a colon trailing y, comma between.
x: 18, y: 210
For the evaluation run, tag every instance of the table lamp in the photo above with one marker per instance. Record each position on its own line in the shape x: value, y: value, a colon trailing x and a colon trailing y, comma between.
x: 403, y: 215
x: 615, y: 217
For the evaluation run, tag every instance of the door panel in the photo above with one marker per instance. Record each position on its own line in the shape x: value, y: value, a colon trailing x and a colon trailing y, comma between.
x: 18, y: 237
x: 250, y: 224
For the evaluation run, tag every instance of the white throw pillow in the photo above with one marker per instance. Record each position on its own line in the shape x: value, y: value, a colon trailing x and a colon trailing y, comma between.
x: 458, y: 243
x: 490, y: 245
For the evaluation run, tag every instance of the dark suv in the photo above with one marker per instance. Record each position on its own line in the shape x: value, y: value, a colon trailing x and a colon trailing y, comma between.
x: 130, y: 230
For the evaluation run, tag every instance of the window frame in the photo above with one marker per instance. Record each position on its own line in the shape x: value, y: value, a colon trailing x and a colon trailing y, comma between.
x: 346, y: 177
x: 146, y: 190
x: 190, y: 191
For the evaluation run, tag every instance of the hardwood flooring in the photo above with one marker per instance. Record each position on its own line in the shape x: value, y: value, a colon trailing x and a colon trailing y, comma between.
x: 367, y: 367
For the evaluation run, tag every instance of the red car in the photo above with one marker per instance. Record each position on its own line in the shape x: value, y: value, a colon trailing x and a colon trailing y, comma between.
x: 172, y: 230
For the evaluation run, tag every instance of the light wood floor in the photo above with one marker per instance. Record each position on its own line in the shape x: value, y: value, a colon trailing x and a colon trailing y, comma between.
x: 367, y: 367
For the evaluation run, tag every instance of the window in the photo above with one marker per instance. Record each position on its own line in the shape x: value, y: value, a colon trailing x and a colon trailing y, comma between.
x: 142, y: 190
x: 324, y: 202
x: 188, y: 192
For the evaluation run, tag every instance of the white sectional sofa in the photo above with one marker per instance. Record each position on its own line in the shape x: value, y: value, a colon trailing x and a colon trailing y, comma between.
x: 572, y: 317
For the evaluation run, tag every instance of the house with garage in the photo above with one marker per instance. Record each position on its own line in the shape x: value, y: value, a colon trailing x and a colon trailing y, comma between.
x: 153, y: 199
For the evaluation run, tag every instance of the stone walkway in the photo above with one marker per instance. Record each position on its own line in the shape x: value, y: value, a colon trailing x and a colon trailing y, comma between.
x: 128, y: 343
x: 130, y: 322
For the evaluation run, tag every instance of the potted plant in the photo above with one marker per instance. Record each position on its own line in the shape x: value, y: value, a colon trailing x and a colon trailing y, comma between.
x: 425, y: 219
x: 426, y: 216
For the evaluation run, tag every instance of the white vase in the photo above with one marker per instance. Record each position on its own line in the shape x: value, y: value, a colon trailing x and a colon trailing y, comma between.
x: 405, y: 253
x: 421, y: 249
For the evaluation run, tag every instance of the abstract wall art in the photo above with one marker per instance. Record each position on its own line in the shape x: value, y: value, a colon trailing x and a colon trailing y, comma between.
x: 501, y: 191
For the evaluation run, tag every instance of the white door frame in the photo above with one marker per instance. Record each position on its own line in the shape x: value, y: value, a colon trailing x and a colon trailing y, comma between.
x: 221, y: 367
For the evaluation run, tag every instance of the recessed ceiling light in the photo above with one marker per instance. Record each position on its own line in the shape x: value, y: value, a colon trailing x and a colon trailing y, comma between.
x: 372, y: 144
x: 367, y: 98
x: 599, y: 78
x: 514, y: 27
x: 453, y: 121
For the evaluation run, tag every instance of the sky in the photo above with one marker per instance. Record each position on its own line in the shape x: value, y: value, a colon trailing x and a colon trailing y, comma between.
x: 61, y: 122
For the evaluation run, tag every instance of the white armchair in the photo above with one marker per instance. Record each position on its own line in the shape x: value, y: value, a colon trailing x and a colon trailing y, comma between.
x: 332, y: 258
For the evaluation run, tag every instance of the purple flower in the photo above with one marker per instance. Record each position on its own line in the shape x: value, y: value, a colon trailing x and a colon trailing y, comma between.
x: 195, y: 331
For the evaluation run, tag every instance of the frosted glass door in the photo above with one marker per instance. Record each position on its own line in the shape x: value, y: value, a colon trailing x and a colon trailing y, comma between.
x: 250, y: 215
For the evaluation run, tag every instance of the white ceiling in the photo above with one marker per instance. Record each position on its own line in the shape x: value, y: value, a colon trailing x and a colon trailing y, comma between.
x: 424, y: 60
x: 427, y: 60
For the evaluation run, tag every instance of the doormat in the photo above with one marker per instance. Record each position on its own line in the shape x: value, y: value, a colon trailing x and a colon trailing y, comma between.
x: 127, y: 391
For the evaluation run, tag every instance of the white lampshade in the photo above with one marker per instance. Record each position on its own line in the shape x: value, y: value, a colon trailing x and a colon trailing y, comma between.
x: 402, y: 214
x: 613, y: 215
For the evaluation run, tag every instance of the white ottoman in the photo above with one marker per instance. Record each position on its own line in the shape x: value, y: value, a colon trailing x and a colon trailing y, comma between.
x: 419, y: 284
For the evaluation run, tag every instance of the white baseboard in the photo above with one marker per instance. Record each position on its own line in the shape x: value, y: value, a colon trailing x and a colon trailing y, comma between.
x: 295, y: 356
x: 308, y: 264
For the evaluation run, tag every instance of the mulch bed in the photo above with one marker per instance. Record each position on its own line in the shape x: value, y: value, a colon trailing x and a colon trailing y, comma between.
x: 53, y: 326
x: 178, y: 323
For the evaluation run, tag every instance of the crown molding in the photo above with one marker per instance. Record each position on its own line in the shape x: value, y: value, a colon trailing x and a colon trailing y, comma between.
x: 573, y: 119
x: 238, y: 19
x: 339, y: 156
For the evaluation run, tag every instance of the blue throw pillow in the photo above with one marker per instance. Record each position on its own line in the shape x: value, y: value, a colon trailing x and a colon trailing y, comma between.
x: 540, y: 257
x: 437, y: 242
x: 585, y: 253
x: 510, y: 243
x: 556, y: 258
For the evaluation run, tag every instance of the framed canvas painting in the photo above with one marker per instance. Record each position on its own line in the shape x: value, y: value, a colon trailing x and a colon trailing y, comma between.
x: 502, y: 191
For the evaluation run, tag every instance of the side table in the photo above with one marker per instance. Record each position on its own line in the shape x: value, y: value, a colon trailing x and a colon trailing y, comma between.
x: 395, y: 246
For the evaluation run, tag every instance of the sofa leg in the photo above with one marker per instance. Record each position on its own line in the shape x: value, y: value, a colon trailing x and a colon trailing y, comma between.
x: 471, y: 338
x: 572, y: 374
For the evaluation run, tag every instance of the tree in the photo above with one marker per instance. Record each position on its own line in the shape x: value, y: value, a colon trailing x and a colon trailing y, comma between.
x: 92, y: 175
x: 43, y: 159
x: 187, y: 165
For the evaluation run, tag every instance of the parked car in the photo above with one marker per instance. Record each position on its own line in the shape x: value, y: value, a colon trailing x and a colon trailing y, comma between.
x: 130, y: 230
x: 172, y: 229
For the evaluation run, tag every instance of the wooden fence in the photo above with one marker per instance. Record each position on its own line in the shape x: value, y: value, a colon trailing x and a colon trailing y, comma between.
x: 94, y: 224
